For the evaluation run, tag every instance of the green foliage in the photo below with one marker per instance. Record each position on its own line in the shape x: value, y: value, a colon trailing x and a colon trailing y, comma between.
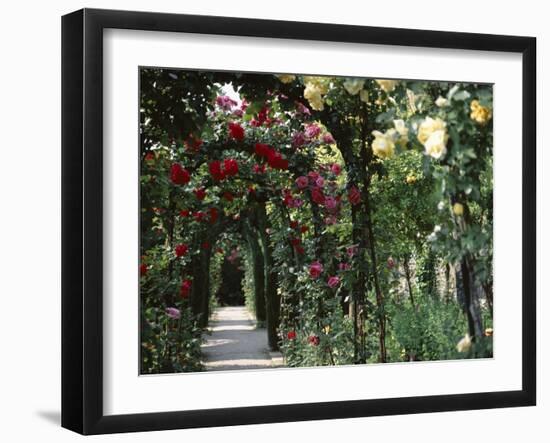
x: 428, y: 331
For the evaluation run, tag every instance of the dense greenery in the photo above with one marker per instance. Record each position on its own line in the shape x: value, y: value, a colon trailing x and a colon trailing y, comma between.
x: 359, y: 209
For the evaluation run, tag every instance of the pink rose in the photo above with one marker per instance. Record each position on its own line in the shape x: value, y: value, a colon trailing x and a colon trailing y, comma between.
x: 335, y: 169
x: 302, y: 182
x: 331, y: 203
x: 330, y: 220
x: 352, y: 250
x: 312, y: 131
x: 296, y: 203
x: 225, y: 102
x: 328, y: 138
x: 344, y: 266
x: 298, y: 139
x: 302, y: 109
x: 333, y: 281
x: 315, y: 269
x: 173, y: 313
x: 320, y: 182
x: 313, y: 175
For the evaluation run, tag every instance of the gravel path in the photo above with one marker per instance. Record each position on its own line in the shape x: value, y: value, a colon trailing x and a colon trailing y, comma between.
x: 235, y: 343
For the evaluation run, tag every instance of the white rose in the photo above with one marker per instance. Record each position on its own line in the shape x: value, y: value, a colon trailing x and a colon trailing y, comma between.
x: 464, y: 344
x: 441, y: 102
x: 435, y: 145
x: 353, y: 85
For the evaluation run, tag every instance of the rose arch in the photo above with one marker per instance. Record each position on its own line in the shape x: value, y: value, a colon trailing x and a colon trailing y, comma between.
x: 297, y: 169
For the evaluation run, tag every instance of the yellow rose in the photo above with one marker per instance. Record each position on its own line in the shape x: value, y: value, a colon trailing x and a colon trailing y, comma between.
x: 458, y: 209
x: 383, y: 146
x: 353, y: 85
x: 428, y: 127
x: 436, y: 144
x: 322, y: 83
x: 312, y: 93
x: 403, y: 132
x: 480, y: 114
x: 410, y: 179
x: 364, y: 95
x: 387, y: 85
x: 286, y: 78
x: 489, y: 332
x: 464, y: 344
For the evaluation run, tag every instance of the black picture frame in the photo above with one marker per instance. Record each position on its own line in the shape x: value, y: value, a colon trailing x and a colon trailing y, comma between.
x: 82, y: 215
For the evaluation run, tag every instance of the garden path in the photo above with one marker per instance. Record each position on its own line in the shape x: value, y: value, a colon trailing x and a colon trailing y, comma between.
x: 234, y: 342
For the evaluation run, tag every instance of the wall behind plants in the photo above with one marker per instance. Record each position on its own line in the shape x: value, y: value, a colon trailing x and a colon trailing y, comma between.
x: 30, y: 260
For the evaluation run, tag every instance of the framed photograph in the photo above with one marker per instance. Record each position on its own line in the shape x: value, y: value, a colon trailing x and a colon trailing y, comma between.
x: 269, y: 221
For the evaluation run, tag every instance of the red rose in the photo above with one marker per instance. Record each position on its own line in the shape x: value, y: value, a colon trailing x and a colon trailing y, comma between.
x: 205, y: 245
x: 262, y: 115
x: 354, y: 196
x: 261, y: 149
x: 317, y: 196
x: 149, y: 157
x: 293, y: 224
x: 185, y: 213
x: 236, y: 131
x: 291, y: 335
x: 304, y: 229
x: 230, y: 167
x: 314, y: 340
x: 315, y: 269
x: 213, y: 215
x: 181, y: 250
x: 228, y: 196
x: 193, y: 144
x: 215, y: 169
x: 276, y: 160
x: 143, y: 269
x: 295, y: 241
x: 185, y: 288
x: 200, y: 193
x: 179, y: 175
x: 199, y: 215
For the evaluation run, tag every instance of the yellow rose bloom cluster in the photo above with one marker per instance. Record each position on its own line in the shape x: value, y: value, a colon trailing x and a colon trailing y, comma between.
x: 480, y: 114
x: 315, y: 88
x: 383, y: 145
x: 354, y: 85
x: 387, y: 85
x: 286, y: 78
x: 432, y: 133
